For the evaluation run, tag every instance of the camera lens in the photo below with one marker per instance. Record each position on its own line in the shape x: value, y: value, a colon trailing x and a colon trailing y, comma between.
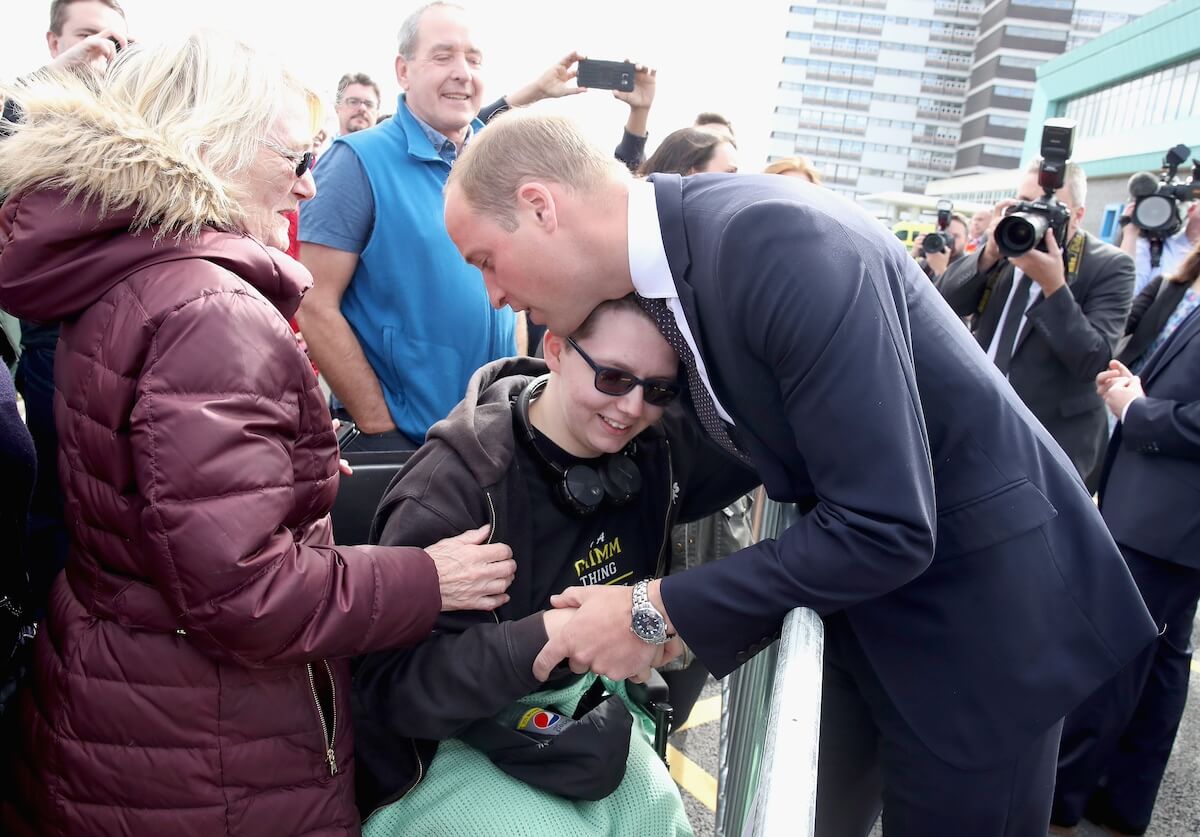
x: 1154, y: 212
x: 934, y: 242
x: 1020, y: 232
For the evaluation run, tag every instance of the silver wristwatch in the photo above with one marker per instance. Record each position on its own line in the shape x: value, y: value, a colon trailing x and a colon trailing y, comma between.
x: 647, y: 623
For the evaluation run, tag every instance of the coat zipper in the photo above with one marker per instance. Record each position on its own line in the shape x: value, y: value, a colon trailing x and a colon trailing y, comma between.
x: 328, y: 732
x: 491, y: 532
x: 666, y: 541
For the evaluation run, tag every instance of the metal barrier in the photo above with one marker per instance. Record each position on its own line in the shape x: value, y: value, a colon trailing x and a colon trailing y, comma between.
x: 770, y: 722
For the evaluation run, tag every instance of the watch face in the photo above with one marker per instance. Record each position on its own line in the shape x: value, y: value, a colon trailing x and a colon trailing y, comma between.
x: 648, y: 626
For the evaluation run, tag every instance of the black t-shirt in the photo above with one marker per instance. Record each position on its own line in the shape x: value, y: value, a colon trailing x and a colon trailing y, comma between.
x: 613, y: 545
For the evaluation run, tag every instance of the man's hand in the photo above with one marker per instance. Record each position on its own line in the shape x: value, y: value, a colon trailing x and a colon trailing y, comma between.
x: 598, y: 637
x: 1046, y: 268
x: 96, y: 51
x: 553, y: 83
x: 472, y: 574
x: 641, y: 97
x: 918, y: 246
x: 991, y: 251
x: 938, y: 262
x: 1118, y: 387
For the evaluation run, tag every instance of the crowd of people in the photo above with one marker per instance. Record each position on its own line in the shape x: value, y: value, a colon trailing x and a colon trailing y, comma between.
x: 641, y: 340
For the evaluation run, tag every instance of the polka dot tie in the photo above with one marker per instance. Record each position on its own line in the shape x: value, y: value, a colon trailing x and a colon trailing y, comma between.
x: 702, y: 402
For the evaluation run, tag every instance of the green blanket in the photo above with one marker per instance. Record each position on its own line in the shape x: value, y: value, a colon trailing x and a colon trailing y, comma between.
x: 465, y: 795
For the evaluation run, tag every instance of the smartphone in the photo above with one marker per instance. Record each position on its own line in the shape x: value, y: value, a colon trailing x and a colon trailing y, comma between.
x: 606, y: 75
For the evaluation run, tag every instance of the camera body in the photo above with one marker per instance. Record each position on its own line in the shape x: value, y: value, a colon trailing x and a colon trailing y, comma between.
x: 1024, y: 226
x: 1156, y: 201
x: 939, y: 241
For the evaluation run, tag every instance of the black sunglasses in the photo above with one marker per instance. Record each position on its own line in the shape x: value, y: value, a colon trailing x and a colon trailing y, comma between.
x: 612, y: 381
x: 303, y: 160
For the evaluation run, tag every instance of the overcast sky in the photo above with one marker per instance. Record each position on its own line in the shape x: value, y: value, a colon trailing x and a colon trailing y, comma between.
x: 708, y: 58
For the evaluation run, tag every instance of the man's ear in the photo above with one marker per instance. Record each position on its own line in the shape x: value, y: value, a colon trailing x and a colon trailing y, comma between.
x: 52, y: 43
x: 552, y: 350
x: 402, y: 72
x: 536, y: 201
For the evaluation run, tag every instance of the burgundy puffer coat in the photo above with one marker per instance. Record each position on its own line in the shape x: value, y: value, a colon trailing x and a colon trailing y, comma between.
x: 187, y: 676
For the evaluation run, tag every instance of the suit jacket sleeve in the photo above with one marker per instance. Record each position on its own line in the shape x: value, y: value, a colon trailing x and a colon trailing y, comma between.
x: 1082, y: 332
x: 822, y: 306
x: 473, y: 665
x: 962, y: 284
x: 1160, y: 427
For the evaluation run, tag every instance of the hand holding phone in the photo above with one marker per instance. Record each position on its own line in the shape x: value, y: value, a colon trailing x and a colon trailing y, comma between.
x: 606, y: 75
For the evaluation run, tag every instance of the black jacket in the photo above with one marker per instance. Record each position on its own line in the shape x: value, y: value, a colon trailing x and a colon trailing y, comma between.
x: 476, y: 664
x: 1150, y: 312
x: 1067, y: 340
x: 1151, y: 483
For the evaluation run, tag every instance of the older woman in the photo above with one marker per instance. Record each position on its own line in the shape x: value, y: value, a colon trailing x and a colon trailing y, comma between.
x: 187, y: 678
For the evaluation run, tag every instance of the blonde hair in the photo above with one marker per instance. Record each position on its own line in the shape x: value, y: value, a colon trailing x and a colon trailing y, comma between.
x: 170, y: 129
x: 800, y: 165
x: 520, y: 147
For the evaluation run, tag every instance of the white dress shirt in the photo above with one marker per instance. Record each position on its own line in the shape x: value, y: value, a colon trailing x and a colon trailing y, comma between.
x: 652, y: 273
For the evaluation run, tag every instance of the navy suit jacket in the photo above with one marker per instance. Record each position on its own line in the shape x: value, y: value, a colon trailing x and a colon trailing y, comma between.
x: 1151, y: 485
x: 938, y: 514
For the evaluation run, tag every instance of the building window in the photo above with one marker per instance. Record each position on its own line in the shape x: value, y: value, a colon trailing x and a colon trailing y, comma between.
x: 1064, y: 5
x: 1036, y: 33
x: 1158, y: 98
x: 1013, y: 92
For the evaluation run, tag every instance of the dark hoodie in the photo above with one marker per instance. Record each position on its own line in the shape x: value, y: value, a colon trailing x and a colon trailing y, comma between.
x: 476, y: 664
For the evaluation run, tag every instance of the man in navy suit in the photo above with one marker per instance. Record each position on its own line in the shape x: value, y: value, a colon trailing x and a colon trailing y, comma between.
x: 970, y: 591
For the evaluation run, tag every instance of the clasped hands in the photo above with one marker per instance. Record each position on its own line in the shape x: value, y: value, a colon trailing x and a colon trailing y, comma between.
x: 1118, y: 387
x: 589, y: 627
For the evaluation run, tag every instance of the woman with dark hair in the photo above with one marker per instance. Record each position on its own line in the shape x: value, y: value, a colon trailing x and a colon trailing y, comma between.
x: 691, y: 151
x: 1116, y: 745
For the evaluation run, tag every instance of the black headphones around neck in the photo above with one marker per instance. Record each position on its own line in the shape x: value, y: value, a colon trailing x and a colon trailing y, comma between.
x: 582, y: 489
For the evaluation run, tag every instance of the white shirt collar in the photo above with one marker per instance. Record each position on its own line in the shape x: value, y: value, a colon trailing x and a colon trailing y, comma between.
x: 648, y: 264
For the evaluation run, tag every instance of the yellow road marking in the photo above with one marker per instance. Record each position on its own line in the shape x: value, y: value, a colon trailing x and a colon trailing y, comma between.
x: 1196, y: 667
x: 693, y: 778
x: 703, y: 712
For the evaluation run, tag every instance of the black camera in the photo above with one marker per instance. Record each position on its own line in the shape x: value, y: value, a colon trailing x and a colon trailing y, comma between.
x: 1024, y: 226
x: 1156, y: 199
x: 940, y: 241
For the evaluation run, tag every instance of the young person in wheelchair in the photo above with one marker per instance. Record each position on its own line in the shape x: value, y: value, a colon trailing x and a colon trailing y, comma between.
x: 576, y: 463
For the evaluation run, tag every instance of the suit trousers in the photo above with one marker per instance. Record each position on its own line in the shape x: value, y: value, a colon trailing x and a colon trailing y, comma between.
x: 1116, y: 745
x: 872, y: 760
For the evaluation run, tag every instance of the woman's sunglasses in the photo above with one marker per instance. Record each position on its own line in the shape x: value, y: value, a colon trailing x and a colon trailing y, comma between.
x: 612, y: 381
x: 303, y: 160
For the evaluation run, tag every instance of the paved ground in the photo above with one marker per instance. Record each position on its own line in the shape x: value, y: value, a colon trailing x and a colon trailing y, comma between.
x: 1176, y: 815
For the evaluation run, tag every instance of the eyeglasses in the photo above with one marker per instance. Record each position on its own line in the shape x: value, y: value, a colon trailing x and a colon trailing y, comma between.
x: 302, y: 159
x: 612, y: 381
x: 354, y: 102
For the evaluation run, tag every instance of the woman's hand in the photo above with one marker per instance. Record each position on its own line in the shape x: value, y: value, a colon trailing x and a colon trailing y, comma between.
x: 472, y: 574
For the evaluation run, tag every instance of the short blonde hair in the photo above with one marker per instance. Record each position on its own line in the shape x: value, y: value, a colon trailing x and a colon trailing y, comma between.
x: 800, y: 165
x: 520, y: 147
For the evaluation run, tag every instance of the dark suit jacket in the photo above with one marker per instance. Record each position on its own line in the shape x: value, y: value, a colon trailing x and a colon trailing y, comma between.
x: 938, y: 514
x: 1151, y: 485
x: 1066, y: 342
x: 1150, y: 311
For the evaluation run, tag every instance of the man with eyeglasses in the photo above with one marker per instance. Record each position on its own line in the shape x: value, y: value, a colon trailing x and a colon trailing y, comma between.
x: 357, y: 103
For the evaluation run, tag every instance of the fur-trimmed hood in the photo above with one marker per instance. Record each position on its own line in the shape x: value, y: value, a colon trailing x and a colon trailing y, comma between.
x: 95, y: 195
x: 76, y: 138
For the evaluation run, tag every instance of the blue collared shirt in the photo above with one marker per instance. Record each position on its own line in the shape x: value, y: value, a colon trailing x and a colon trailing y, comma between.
x: 445, y: 147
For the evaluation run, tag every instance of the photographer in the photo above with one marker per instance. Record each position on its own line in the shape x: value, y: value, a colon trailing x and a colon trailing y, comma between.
x: 1175, y: 247
x: 952, y: 246
x: 1049, y: 317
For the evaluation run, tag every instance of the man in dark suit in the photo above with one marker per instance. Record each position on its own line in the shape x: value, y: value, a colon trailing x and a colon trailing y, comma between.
x: 1124, y: 732
x: 1050, y: 323
x: 970, y: 591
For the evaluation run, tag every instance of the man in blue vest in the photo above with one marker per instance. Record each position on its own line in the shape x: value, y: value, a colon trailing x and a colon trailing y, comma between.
x: 396, y: 320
